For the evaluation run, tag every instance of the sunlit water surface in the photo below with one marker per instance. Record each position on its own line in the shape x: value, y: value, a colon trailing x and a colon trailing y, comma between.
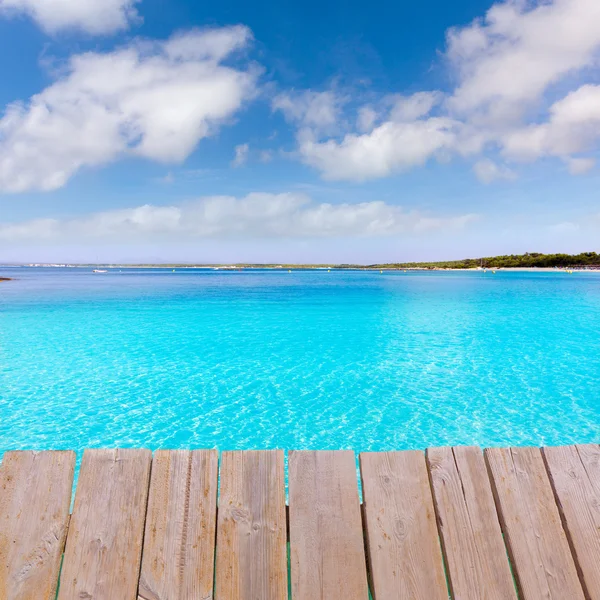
x: 311, y: 359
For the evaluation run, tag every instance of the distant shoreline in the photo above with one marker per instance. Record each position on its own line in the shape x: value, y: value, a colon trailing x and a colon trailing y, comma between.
x: 239, y: 268
x: 534, y: 261
x: 530, y: 261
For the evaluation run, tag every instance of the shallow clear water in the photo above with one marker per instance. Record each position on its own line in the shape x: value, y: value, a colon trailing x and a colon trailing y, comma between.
x: 358, y: 360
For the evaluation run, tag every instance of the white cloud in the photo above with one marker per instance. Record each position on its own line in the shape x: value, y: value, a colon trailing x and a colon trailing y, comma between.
x: 405, y: 138
x: 573, y: 126
x: 406, y: 109
x: 159, y: 100
x: 241, y: 155
x: 508, y: 67
x: 151, y: 100
x: 91, y: 16
x: 207, y: 44
x: 388, y: 148
x: 507, y: 60
x: 315, y: 110
x: 487, y: 171
x: 396, y: 137
x: 257, y: 215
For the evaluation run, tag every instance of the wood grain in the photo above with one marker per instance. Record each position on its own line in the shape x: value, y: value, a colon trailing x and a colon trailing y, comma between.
x: 575, y: 475
x: 251, y: 532
x: 104, y: 545
x: 536, y: 540
x: 404, y: 551
x: 35, y: 496
x: 179, y: 540
x: 476, y: 558
x: 326, y: 540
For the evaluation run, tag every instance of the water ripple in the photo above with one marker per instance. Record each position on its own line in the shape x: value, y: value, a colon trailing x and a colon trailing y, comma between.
x: 303, y: 360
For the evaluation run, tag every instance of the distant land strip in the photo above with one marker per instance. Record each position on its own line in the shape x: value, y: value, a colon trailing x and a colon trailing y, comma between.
x: 530, y: 260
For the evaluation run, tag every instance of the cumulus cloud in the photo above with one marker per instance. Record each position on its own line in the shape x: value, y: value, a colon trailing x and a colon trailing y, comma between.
x: 395, y: 136
x: 519, y: 91
x: 154, y: 100
x: 573, y: 127
x: 388, y: 148
x: 487, y: 171
x: 507, y: 60
x: 92, y: 16
x: 507, y: 67
x: 257, y: 215
x: 509, y: 64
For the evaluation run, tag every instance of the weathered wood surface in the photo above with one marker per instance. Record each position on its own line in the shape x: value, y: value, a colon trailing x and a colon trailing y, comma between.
x: 537, y: 544
x: 179, y: 542
x: 405, y: 557
x: 251, y: 536
x: 326, y: 540
x: 477, y: 563
x: 104, y: 545
x: 35, y: 496
x: 540, y: 506
x: 575, y: 476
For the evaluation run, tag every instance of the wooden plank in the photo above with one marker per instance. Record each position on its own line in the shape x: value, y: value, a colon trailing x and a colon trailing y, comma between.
x: 179, y: 542
x: 251, y: 532
x: 104, y: 545
x: 35, y: 496
x: 575, y: 476
x: 533, y: 531
x: 405, y: 557
x: 472, y: 541
x: 326, y: 541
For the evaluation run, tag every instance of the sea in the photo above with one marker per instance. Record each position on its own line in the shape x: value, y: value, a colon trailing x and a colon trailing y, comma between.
x: 307, y: 359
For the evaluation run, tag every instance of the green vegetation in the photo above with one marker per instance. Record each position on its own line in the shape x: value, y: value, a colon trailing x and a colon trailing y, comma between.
x: 528, y: 260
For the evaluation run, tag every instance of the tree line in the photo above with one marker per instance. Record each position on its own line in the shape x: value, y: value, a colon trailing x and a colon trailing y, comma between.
x: 527, y: 260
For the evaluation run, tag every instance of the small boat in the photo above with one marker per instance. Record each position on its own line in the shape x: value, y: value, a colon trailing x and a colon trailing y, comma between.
x: 99, y: 271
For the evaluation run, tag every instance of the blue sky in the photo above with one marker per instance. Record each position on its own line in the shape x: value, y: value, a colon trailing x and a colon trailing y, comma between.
x: 307, y: 132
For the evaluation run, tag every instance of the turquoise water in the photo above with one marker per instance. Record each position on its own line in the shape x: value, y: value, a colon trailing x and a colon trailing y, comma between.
x: 358, y: 360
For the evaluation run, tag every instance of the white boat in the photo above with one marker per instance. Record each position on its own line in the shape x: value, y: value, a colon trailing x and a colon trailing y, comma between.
x: 100, y: 271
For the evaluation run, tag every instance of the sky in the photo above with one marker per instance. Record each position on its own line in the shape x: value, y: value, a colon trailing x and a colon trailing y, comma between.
x: 181, y: 131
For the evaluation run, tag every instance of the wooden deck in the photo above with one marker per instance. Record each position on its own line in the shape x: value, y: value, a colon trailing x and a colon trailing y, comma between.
x: 449, y: 523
